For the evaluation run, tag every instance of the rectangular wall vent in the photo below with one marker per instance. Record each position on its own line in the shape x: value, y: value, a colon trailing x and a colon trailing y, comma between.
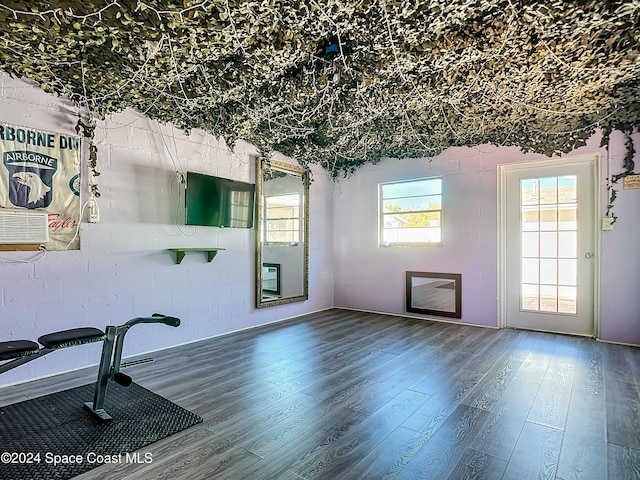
x: 22, y: 226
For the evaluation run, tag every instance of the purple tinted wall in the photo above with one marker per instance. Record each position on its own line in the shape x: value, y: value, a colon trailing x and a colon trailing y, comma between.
x: 372, y: 278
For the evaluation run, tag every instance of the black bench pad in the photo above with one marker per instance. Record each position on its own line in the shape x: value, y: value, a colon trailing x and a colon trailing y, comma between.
x: 69, y: 338
x: 17, y: 348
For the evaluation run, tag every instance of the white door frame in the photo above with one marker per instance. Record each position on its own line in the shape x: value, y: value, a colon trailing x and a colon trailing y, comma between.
x: 502, y: 229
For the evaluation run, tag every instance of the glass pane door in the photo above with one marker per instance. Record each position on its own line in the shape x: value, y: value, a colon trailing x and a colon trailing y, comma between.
x: 549, y: 244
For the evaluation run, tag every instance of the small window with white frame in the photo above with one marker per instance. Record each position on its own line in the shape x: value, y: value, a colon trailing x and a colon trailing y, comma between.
x: 411, y: 212
x: 282, y: 219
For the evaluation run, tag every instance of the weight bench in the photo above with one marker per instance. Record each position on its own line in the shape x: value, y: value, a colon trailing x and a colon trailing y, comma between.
x: 19, y: 352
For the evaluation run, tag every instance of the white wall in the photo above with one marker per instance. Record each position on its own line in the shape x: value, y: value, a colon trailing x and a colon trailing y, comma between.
x: 123, y: 269
x: 372, y: 278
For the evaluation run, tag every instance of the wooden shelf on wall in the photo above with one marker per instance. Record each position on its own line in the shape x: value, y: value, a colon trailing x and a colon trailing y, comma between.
x: 19, y: 247
x: 181, y: 252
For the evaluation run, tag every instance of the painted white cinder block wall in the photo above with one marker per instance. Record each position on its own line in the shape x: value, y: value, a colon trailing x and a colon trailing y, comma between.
x: 372, y: 278
x: 123, y: 269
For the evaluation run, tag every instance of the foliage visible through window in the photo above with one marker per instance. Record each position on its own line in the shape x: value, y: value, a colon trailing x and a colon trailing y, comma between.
x: 411, y: 212
x: 282, y: 214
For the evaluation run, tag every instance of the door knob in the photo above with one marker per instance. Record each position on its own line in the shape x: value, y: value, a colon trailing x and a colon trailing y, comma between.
x: 588, y: 255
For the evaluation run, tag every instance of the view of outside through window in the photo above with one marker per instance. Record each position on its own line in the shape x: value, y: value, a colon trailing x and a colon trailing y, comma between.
x: 411, y: 212
x: 549, y: 244
x: 240, y: 210
x: 282, y: 214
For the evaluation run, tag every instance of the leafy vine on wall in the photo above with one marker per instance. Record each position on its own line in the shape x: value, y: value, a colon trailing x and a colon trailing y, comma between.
x: 89, y: 131
x: 629, y: 166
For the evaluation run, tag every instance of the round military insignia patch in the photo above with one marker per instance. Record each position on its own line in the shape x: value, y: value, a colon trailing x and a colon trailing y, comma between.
x: 74, y: 184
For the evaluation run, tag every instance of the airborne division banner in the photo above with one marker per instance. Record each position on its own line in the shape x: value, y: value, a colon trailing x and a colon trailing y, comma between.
x: 41, y: 171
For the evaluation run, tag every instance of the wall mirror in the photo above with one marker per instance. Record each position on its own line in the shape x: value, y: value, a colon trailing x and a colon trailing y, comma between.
x: 434, y: 293
x: 282, y: 230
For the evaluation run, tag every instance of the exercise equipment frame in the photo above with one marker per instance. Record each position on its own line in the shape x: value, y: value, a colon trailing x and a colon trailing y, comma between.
x: 19, y: 352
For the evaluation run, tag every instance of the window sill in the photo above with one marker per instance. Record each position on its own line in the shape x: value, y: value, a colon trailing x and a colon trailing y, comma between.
x: 410, y: 245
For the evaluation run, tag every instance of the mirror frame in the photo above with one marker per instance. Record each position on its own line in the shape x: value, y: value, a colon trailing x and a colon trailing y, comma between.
x: 304, y: 174
x: 456, y: 278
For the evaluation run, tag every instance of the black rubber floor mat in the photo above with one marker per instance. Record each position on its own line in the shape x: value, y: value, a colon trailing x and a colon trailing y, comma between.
x: 53, y: 437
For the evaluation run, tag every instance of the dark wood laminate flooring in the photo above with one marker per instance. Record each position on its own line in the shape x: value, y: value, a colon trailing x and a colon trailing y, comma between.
x: 342, y: 394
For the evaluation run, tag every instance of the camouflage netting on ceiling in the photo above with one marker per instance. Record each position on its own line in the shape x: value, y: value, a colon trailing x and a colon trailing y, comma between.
x: 341, y: 83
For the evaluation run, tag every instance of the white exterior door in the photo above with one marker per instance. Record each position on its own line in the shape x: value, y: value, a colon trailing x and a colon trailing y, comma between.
x: 549, y: 238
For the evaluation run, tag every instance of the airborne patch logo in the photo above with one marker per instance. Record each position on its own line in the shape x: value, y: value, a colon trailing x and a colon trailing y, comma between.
x: 30, y: 178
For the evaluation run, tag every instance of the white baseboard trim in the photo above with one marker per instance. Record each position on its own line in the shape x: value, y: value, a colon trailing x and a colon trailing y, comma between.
x: 482, y: 326
x: 42, y: 377
x: 218, y: 335
x: 393, y: 314
x: 618, y: 343
x: 147, y: 352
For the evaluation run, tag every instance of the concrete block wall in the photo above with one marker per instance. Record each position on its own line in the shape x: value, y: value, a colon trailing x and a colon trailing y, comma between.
x: 123, y: 268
